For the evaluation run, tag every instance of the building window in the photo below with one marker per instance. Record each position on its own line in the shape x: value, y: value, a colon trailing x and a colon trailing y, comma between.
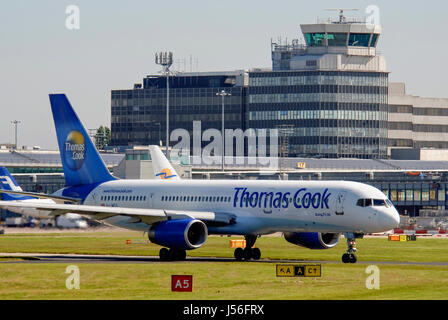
x: 315, y: 39
x: 359, y: 39
x: 337, y: 39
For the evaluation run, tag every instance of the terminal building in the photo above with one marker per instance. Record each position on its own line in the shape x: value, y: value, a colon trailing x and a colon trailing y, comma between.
x: 416, y: 122
x: 329, y: 97
x: 41, y: 170
x: 331, y: 94
x: 138, y: 115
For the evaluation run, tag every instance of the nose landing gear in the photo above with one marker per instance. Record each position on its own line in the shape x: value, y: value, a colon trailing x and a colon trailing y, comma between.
x: 350, y: 256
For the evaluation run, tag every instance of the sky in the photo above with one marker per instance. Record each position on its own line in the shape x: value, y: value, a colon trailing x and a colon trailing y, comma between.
x: 116, y: 41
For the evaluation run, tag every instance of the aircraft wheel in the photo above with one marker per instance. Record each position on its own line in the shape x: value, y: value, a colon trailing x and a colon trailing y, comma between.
x: 256, y: 254
x: 352, y: 258
x: 238, y: 254
x: 180, y: 254
x: 164, y: 254
x: 176, y: 254
x: 346, y: 258
x: 247, y: 253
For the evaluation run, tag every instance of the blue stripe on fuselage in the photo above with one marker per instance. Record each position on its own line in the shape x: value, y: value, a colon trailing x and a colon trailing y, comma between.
x: 80, y: 192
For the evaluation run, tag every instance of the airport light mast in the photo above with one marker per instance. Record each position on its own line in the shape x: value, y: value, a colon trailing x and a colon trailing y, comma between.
x: 165, y: 59
x: 222, y: 94
x: 15, y: 123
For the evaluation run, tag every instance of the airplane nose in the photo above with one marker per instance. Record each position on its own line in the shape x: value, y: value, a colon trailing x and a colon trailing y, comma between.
x: 389, y: 220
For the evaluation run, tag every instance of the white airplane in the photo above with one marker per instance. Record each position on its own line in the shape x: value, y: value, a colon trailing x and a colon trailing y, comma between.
x: 180, y: 214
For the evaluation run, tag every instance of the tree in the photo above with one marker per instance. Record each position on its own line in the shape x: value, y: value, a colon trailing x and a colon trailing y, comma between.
x: 102, y: 137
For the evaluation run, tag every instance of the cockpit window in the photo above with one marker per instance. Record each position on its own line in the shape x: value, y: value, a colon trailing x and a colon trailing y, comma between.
x: 364, y: 202
x: 379, y: 202
x: 373, y: 202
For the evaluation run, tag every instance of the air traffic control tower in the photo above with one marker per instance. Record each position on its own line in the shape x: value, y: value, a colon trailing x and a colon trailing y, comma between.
x: 337, y: 46
x: 332, y: 90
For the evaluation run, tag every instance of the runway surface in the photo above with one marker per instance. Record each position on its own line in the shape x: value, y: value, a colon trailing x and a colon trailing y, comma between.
x: 81, y: 258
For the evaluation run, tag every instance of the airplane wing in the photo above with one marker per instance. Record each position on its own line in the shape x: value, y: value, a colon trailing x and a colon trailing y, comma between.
x: 148, y: 216
x: 56, y: 199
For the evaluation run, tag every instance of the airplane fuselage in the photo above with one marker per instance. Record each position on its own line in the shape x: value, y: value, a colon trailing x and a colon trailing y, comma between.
x: 259, y: 206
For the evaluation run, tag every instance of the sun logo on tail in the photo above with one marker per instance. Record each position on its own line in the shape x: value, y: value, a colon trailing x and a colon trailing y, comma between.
x: 74, y: 150
x: 165, y: 174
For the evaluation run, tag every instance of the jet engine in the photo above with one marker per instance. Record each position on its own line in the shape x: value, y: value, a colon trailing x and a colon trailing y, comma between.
x: 184, y: 234
x: 313, y: 240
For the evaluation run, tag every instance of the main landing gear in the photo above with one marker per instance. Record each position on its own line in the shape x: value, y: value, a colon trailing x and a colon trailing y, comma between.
x: 248, y: 252
x: 350, y: 256
x: 172, y: 254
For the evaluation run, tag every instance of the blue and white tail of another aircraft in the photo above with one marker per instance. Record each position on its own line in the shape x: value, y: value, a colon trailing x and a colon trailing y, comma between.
x: 180, y: 214
x: 7, y: 182
x: 11, y: 192
x: 162, y: 167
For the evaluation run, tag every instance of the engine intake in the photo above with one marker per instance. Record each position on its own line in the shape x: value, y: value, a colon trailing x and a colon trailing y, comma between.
x: 313, y: 240
x: 186, y: 234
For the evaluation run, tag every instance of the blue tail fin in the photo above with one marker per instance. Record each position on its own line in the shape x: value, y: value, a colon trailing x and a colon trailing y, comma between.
x: 81, y: 161
x: 7, y: 182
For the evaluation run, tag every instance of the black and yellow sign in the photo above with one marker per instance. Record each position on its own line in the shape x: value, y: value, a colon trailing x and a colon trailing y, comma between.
x: 303, y: 270
x: 301, y: 165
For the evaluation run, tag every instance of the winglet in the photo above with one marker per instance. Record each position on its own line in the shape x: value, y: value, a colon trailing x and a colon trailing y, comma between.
x: 161, y: 166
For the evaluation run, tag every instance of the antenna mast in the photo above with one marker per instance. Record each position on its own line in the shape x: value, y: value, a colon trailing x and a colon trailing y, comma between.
x: 342, y: 18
